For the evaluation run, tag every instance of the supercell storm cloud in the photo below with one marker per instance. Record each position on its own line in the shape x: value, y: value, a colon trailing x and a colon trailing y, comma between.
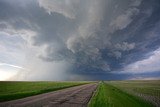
x: 81, y: 39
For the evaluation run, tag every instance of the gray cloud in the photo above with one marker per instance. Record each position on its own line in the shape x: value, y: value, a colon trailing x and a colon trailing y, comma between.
x: 93, y: 34
x: 80, y: 42
x: 136, y: 2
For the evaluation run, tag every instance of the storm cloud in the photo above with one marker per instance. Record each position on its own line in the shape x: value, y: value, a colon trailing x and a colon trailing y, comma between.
x: 83, y: 36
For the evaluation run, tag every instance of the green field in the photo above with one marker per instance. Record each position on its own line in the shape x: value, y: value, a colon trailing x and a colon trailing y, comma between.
x: 108, y: 95
x: 16, y: 90
x: 148, y: 90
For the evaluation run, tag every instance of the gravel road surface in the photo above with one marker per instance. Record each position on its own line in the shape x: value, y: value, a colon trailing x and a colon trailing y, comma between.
x: 78, y: 96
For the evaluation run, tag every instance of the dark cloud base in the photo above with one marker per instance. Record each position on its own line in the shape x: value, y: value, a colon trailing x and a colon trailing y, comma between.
x: 96, y: 37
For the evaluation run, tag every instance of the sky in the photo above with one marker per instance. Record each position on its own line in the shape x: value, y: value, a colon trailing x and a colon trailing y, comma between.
x: 79, y: 40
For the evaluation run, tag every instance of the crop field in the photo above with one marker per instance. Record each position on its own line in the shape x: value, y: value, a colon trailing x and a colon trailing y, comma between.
x: 149, y: 90
x: 16, y: 90
x: 127, y: 94
x: 110, y: 96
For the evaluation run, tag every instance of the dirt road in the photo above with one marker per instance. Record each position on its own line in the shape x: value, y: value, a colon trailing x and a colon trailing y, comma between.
x: 77, y: 96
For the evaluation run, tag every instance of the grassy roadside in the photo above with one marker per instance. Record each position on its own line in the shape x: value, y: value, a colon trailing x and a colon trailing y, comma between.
x: 16, y: 90
x: 149, y: 90
x: 110, y: 96
x: 146, y: 87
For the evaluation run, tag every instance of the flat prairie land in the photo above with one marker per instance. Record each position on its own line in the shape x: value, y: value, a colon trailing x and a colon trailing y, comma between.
x: 148, y: 90
x: 16, y: 90
x: 127, y: 94
x: 144, y: 93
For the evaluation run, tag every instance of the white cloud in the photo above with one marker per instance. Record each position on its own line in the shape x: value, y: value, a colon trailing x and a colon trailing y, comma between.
x: 86, y: 35
x: 144, y: 78
x: 117, y: 49
x: 150, y: 64
x: 126, y: 17
x: 116, y: 54
x: 123, y: 20
x: 64, y: 7
x: 14, y: 66
x: 12, y: 48
x: 51, y: 52
x: 75, y: 44
x: 11, y: 31
x: 7, y: 71
x: 124, y: 46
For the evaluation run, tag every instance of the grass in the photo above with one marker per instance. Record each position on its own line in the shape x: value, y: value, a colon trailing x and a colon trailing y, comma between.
x: 148, y: 90
x: 146, y: 87
x: 110, y: 96
x: 16, y: 90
